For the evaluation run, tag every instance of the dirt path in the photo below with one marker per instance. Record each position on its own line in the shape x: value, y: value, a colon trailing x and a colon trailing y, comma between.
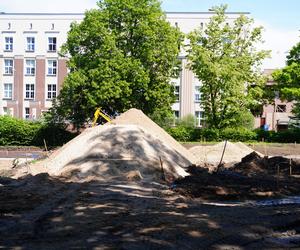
x: 42, y: 212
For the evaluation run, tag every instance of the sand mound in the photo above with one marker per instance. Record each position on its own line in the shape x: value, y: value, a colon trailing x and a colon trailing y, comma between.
x: 117, y: 151
x: 137, y: 117
x: 234, y: 152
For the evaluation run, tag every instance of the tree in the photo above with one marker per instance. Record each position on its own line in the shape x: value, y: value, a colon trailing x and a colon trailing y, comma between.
x: 224, y: 58
x: 122, y: 55
x: 288, y: 79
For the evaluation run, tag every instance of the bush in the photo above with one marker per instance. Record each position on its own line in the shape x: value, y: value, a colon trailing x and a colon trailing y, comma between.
x: 187, y: 121
x: 286, y: 136
x: 17, y: 132
x: 238, y: 134
x: 209, y: 134
x: 181, y: 133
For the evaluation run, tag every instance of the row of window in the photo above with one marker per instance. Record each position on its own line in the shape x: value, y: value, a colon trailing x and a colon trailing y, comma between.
x: 29, y: 67
x: 197, y: 93
x: 29, y: 91
x: 30, y: 44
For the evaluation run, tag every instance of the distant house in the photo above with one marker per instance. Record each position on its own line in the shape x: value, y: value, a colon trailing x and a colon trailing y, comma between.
x: 274, y: 116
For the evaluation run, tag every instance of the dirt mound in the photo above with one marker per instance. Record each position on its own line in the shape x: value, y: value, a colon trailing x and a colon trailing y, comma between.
x: 115, y: 151
x: 137, y: 117
x: 234, y: 152
x: 235, y: 184
x: 254, y: 165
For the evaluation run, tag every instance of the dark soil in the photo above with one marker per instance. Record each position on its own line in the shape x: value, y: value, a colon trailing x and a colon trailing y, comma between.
x: 133, y: 215
x: 253, y: 178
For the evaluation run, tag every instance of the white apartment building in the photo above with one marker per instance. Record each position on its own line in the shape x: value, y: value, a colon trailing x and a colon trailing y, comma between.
x: 32, y: 72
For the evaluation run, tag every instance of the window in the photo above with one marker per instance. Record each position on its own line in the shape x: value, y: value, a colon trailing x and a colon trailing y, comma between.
x: 29, y: 91
x: 199, y: 118
x: 51, y: 91
x: 281, y: 108
x: 52, y: 44
x: 176, y: 114
x: 197, y: 94
x: 27, y: 113
x: 5, y: 111
x: 8, y: 66
x: 52, y: 67
x: 177, y: 93
x: 7, y: 90
x: 9, y: 44
x: 30, y: 67
x: 30, y: 44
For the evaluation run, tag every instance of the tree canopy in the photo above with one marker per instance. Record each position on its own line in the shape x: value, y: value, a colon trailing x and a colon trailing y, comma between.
x: 224, y: 57
x: 122, y: 55
x: 288, y: 79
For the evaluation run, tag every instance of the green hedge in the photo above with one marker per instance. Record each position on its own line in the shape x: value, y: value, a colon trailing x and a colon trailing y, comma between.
x: 286, y: 136
x: 184, y: 134
x: 16, y: 132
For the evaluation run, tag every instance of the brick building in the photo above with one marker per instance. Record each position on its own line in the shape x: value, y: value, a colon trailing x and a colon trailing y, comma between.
x: 32, y: 72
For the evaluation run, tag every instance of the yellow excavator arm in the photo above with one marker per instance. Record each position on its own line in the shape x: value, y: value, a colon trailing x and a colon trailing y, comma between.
x: 98, y: 113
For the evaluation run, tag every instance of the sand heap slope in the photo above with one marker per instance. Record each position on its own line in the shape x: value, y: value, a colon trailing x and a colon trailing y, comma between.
x: 137, y: 117
x: 120, y: 151
x: 234, y: 152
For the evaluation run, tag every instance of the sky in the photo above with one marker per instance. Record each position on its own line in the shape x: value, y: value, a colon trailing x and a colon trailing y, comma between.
x: 280, y: 19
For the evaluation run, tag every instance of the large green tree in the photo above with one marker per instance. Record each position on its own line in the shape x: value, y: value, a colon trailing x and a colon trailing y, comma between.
x: 225, y: 59
x: 288, y: 79
x: 122, y: 55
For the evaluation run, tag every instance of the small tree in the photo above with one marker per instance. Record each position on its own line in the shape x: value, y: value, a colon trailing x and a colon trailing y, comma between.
x: 224, y: 58
x: 288, y: 79
x: 122, y: 55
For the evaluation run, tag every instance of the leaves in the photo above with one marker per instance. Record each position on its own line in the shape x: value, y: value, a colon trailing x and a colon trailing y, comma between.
x: 288, y: 79
x: 122, y: 55
x: 225, y: 59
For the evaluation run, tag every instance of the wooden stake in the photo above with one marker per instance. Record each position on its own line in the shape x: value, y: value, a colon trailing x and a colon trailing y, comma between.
x: 223, y: 153
x: 163, y: 177
x: 45, y: 147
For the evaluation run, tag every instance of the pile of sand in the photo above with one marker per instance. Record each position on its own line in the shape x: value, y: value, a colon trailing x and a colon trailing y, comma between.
x: 234, y: 152
x: 130, y: 147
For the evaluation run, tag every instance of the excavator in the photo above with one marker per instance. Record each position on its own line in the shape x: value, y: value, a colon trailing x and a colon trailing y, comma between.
x: 101, y: 113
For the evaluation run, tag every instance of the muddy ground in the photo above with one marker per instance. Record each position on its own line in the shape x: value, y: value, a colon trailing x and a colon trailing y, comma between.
x: 43, y: 212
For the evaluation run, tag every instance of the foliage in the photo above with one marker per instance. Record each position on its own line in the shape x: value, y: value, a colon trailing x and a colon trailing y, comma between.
x: 238, y: 134
x: 286, y: 136
x: 16, y: 132
x: 27, y: 133
x: 243, y: 119
x: 181, y: 133
x: 224, y: 58
x: 122, y: 55
x: 164, y: 119
x: 188, y: 121
x: 288, y: 79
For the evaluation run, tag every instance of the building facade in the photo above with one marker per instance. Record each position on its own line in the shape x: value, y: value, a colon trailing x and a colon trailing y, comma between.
x: 32, y: 71
x: 276, y: 115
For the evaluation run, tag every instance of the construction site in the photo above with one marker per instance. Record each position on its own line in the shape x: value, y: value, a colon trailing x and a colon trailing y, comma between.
x: 128, y: 184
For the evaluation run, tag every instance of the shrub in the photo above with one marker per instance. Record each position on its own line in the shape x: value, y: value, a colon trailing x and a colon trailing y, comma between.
x: 187, y: 121
x: 17, y: 132
x: 181, y: 133
x: 210, y: 134
x: 286, y: 136
x: 238, y: 134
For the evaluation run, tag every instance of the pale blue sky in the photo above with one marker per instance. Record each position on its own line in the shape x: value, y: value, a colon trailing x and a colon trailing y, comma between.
x: 284, y: 14
x: 280, y: 18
